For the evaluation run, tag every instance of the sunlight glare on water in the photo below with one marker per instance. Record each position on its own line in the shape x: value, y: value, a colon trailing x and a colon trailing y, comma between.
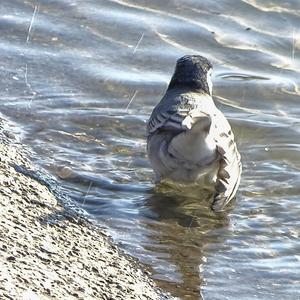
x: 82, y: 77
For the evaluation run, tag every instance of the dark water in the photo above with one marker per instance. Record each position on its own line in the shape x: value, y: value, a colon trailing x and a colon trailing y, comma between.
x: 81, y: 78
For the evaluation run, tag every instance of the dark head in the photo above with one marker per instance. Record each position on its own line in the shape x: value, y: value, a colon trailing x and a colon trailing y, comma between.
x: 192, y: 71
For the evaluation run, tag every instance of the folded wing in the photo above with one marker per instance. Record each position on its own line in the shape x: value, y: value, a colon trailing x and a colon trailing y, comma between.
x: 230, y: 169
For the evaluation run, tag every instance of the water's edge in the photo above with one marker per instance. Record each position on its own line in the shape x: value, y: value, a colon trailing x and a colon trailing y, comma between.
x: 82, y: 77
x: 51, y: 242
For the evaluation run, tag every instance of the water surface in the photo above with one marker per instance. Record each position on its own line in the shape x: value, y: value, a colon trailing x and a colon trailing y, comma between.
x: 81, y: 78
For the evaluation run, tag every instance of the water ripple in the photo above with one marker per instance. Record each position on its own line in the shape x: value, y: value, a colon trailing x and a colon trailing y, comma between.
x: 81, y: 78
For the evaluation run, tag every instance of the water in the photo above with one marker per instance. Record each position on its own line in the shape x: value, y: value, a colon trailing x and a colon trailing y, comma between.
x: 81, y: 78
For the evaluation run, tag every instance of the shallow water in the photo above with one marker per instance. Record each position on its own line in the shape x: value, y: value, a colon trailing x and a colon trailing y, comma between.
x: 81, y: 78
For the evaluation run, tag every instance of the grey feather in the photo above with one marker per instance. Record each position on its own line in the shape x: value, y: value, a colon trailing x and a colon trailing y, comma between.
x: 189, y: 139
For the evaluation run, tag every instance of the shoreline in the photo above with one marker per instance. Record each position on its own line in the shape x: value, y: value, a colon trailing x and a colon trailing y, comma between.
x: 48, y: 252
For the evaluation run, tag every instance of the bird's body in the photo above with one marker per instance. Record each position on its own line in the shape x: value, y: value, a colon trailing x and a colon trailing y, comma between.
x: 189, y: 139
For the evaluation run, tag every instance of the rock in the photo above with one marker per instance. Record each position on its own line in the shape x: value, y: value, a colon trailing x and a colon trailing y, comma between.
x: 11, y: 258
x: 46, y: 252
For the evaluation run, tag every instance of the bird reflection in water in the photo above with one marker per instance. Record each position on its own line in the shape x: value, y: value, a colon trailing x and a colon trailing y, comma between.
x: 188, y: 231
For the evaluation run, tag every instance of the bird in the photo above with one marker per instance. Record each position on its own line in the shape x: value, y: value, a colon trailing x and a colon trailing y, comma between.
x: 189, y: 140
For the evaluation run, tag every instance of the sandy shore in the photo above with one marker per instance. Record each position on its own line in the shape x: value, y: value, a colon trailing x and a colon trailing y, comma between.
x: 48, y: 253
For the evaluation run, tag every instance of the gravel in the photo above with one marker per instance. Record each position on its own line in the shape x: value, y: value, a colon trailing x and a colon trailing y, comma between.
x: 48, y: 253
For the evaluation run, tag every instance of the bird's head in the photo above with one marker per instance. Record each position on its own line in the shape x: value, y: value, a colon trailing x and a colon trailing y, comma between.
x: 193, y: 71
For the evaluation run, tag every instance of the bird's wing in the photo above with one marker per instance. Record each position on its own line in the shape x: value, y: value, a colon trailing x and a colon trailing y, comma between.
x: 168, y: 120
x: 175, y: 113
x: 230, y: 169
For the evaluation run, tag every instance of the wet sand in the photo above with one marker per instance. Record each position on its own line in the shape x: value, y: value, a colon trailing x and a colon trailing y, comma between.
x: 46, y: 252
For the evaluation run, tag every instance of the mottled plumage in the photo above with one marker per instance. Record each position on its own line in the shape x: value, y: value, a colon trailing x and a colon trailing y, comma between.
x: 189, y: 139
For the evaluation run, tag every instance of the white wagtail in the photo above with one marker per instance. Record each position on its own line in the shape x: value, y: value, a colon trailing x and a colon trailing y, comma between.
x: 189, y: 139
